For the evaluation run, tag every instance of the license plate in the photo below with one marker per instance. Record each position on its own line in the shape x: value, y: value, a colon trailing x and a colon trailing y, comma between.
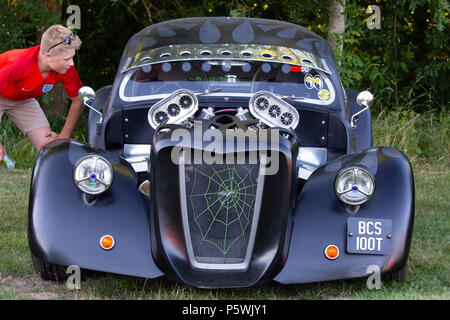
x: 369, y: 236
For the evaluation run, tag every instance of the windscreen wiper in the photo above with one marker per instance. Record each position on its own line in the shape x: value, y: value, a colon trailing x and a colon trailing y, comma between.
x: 207, y: 91
x: 292, y: 97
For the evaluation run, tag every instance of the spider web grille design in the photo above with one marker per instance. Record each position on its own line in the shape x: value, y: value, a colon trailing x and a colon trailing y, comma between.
x: 220, y: 201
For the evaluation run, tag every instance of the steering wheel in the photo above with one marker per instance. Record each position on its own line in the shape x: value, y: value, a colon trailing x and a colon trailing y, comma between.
x: 201, y: 87
x: 252, y: 87
x: 167, y: 88
x: 288, y: 89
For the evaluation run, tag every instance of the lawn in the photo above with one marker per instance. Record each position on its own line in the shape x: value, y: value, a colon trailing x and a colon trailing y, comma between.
x: 427, y: 276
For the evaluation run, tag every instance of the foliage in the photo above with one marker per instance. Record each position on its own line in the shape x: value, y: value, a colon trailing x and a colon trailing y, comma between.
x: 21, y: 22
x: 405, y: 63
x: 406, y: 60
x: 20, y: 148
x: 424, y: 138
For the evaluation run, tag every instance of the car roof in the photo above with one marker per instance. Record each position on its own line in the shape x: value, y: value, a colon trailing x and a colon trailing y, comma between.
x: 224, y: 30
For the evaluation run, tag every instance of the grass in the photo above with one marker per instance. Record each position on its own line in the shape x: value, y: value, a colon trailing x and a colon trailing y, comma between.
x: 423, y: 138
x: 20, y: 148
x: 427, y: 277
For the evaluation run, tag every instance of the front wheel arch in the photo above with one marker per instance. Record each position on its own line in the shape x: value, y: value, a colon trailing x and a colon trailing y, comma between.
x: 49, y: 271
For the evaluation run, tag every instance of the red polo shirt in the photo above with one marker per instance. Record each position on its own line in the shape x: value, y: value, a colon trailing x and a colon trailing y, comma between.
x: 21, y: 79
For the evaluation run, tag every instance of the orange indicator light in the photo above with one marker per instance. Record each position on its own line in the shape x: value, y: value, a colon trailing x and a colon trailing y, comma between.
x: 107, y: 242
x: 332, y: 252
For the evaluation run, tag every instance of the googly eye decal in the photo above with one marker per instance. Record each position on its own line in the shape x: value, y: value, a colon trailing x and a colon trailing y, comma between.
x: 318, y: 82
x: 309, y: 81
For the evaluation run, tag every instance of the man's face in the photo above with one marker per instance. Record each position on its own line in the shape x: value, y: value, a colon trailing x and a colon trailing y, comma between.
x: 62, y: 61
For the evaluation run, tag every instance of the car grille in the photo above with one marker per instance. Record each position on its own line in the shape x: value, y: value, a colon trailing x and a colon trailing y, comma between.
x: 220, y: 212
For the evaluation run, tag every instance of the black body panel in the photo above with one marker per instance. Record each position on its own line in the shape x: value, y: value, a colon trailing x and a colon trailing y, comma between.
x: 317, y: 225
x: 363, y: 125
x: 314, y: 130
x: 171, y: 250
x: 102, y: 96
x: 137, y: 129
x: 113, y: 132
x: 65, y: 229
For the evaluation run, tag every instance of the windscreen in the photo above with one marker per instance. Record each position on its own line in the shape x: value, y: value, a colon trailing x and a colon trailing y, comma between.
x: 230, y: 77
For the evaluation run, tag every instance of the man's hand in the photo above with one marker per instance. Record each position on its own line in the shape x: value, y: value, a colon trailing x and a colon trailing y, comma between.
x: 2, y: 152
x: 76, y: 109
x: 55, y: 136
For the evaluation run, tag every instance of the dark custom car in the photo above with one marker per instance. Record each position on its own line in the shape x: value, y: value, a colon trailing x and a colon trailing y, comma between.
x: 226, y: 153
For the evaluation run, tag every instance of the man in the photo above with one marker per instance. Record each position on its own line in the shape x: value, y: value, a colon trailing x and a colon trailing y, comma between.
x: 29, y: 73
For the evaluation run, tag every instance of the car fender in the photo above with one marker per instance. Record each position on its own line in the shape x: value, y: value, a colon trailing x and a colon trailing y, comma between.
x: 320, y: 219
x: 65, y: 229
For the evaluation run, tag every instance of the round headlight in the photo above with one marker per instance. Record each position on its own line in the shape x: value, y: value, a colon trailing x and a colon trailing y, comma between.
x: 93, y: 174
x: 354, y: 186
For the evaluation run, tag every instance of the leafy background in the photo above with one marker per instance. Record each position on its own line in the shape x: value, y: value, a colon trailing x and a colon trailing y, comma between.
x: 405, y: 63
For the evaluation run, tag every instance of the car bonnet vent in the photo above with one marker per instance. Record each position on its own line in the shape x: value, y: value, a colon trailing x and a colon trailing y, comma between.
x: 273, y: 111
x: 174, y: 109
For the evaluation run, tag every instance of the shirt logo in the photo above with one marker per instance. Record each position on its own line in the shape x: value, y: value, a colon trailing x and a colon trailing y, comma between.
x: 47, y: 87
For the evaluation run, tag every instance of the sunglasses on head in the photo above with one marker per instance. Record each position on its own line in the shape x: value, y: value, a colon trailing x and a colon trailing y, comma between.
x: 67, y: 40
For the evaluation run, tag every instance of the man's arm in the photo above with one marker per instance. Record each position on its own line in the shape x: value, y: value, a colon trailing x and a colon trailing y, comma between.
x: 76, y: 109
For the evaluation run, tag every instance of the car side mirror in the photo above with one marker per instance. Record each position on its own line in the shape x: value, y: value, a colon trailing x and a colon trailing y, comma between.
x: 87, y: 95
x: 364, y: 100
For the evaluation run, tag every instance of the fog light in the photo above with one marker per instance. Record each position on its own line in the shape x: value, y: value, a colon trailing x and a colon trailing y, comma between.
x: 354, y: 186
x: 93, y: 174
x: 107, y: 242
x: 332, y: 252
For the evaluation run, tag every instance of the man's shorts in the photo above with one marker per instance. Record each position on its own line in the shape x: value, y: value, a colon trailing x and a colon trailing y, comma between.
x: 26, y: 114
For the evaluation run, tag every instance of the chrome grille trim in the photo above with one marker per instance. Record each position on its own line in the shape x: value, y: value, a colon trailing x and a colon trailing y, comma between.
x: 185, y: 221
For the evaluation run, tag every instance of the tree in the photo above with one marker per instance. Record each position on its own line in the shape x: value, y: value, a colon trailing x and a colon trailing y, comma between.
x: 57, y: 98
x: 336, y: 25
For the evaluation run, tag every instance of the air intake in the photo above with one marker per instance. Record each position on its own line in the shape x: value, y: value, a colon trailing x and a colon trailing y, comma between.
x: 220, y: 208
